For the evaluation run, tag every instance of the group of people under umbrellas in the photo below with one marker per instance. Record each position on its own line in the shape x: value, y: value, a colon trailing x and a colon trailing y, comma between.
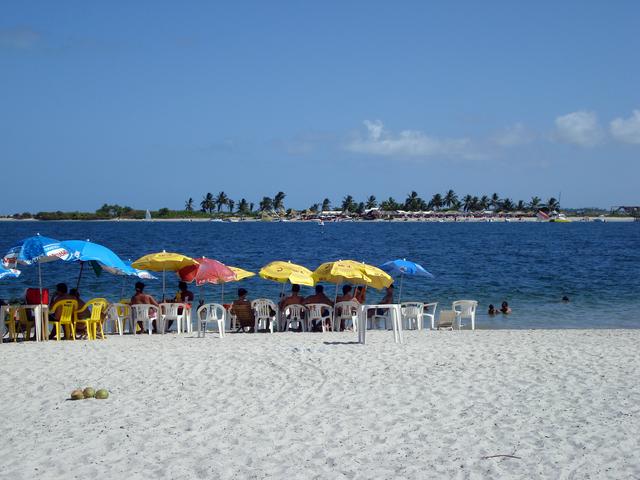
x: 39, y: 249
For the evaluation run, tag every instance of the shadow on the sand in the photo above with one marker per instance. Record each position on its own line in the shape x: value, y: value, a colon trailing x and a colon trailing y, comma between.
x: 341, y: 343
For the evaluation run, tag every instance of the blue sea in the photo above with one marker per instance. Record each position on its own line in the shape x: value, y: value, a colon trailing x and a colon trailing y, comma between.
x: 530, y: 265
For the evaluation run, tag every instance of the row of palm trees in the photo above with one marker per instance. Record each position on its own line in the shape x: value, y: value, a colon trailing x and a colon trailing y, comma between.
x: 413, y: 203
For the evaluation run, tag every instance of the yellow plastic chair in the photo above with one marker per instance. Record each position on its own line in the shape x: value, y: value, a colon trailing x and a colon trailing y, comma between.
x: 98, y: 308
x: 18, y: 322
x: 66, y: 319
x: 11, y: 323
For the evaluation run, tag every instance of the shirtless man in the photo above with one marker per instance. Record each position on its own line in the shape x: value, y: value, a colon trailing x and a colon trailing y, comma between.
x: 140, y: 298
x: 294, y: 299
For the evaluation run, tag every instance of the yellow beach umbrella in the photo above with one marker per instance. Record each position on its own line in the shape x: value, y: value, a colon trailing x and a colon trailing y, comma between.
x: 288, y: 272
x: 163, y: 262
x: 241, y: 274
x: 350, y: 271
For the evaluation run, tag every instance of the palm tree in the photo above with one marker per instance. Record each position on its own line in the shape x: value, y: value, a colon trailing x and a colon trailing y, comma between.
x: 534, y: 204
x: 221, y: 200
x: 348, y: 205
x: 521, y: 206
x: 450, y: 198
x: 436, y: 201
x: 188, y: 205
x: 243, y: 207
x: 371, y: 202
x: 495, y: 201
x: 506, y: 205
x: 389, y: 205
x: 231, y: 204
x: 553, y: 204
x: 251, y: 205
x: 314, y: 208
x: 207, y: 203
x: 278, y: 201
x: 266, y: 204
x: 483, y: 203
x: 466, y: 202
x: 475, y: 204
x: 326, y: 205
x: 360, y: 208
x: 413, y: 202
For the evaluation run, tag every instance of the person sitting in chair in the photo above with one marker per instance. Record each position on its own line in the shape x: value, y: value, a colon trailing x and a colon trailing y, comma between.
x: 141, y: 298
x: 319, y: 297
x: 243, y: 312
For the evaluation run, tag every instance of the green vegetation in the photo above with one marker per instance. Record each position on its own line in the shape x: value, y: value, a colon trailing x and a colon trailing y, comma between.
x: 221, y: 205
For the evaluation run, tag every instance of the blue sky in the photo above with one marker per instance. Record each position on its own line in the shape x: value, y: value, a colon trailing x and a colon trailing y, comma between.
x: 149, y: 103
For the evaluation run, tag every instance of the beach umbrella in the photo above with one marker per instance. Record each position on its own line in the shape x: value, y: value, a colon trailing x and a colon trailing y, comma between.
x: 9, y: 273
x: 163, y: 262
x: 99, y: 257
x: 404, y: 267
x: 350, y: 271
x: 207, y: 271
x: 38, y: 250
x: 284, y: 272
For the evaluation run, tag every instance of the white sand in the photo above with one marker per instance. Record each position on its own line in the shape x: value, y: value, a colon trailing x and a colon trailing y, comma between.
x: 567, y: 403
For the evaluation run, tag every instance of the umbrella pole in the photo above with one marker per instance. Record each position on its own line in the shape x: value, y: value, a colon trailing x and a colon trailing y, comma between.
x: 122, y: 288
x: 163, y: 283
x: 222, y: 296
x: 39, y: 320
x: 79, y: 275
x: 400, y: 294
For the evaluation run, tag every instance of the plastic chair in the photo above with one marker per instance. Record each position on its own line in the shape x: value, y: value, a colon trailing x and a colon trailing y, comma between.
x: 429, y: 311
x: 98, y: 307
x: 119, y: 314
x: 176, y: 312
x: 145, y: 313
x: 378, y: 317
x: 265, y: 312
x: 465, y: 309
x: 293, y: 314
x: 11, y: 323
x: 211, y: 313
x: 412, y: 315
x: 66, y: 319
x: 315, y: 312
x: 447, y: 320
x: 346, y: 312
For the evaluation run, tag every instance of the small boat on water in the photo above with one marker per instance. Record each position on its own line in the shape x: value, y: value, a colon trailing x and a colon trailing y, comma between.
x: 147, y: 216
x: 601, y: 219
x: 559, y: 218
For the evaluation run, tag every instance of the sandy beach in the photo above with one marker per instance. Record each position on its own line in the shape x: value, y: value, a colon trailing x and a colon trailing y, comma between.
x: 487, y: 404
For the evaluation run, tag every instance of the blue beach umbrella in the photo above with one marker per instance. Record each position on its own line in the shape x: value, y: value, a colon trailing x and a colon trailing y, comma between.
x: 9, y: 273
x: 38, y: 250
x: 100, y: 258
x: 404, y: 267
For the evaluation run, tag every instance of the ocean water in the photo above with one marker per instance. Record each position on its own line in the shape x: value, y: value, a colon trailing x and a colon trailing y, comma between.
x: 530, y: 265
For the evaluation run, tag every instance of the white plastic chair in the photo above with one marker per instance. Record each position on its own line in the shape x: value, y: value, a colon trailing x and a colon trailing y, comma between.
x: 315, y: 312
x: 429, y: 311
x: 146, y: 314
x: 293, y: 314
x: 465, y: 309
x: 119, y: 314
x: 412, y: 315
x: 211, y: 313
x: 176, y: 312
x: 385, y: 317
x: 346, y: 312
x: 448, y: 320
x: 262, y: 310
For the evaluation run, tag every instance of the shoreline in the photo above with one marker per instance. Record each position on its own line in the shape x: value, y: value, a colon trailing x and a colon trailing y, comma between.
x: 393, y: 220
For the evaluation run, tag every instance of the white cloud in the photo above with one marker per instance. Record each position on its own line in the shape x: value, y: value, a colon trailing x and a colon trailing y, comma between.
x: 626, y: 129
x: 410, y: 143
x: 580, y: 128
x: 18, y: 38
x: 512, y: 136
